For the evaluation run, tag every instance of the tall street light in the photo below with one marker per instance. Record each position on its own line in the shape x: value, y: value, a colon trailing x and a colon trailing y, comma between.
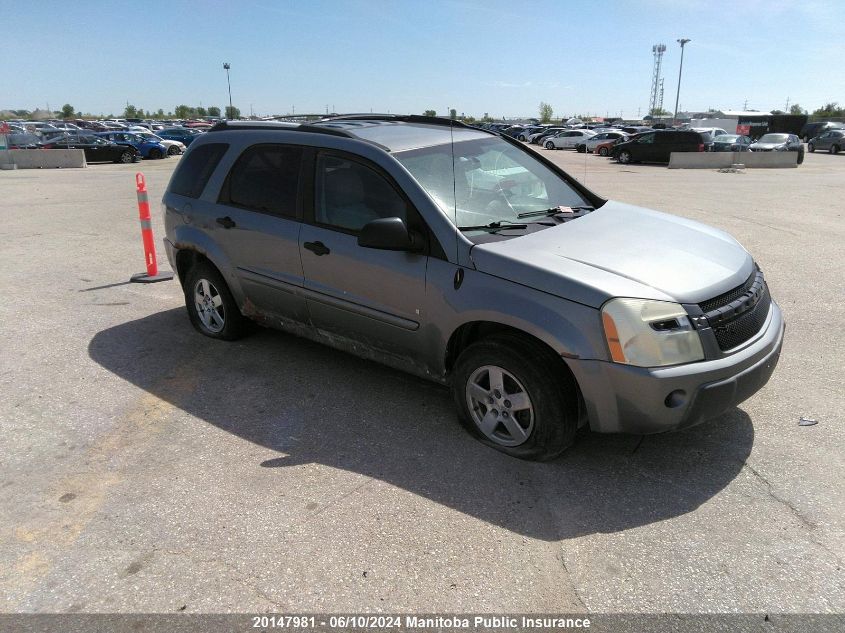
x: 681, y: 41
x: 226, y: 67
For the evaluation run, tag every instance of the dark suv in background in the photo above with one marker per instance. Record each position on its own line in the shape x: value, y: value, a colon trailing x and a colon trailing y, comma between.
x: 657, y: 146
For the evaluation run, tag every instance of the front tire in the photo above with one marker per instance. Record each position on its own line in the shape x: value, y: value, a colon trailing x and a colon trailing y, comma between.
x: 550, y: 145
x: 624, y: 157
x: 173, y: 150
x: 834, y: 149
x: 515, y: 395
x: 125, y: 158
x: 811, y: 148
x: 211, y: 307
x: 800, y: 156
x: 602, y: 151
x: 155, y: 154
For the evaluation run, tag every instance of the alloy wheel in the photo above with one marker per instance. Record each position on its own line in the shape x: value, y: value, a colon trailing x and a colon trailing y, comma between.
x: 500, y: 406
x: 209, y: 306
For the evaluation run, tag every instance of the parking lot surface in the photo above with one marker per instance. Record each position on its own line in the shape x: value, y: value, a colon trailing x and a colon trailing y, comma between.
x: 147, y: 468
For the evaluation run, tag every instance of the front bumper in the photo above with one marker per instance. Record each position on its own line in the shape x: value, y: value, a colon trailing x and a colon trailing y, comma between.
x: 625, y: 399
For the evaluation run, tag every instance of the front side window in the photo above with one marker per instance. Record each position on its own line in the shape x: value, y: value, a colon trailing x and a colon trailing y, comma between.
x: 350, y: 194
x: 646, y: 138
x: 265, y: 178
x: 492, y: 181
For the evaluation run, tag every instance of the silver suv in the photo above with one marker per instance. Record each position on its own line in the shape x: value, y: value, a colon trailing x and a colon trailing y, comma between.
x: 461, y: 256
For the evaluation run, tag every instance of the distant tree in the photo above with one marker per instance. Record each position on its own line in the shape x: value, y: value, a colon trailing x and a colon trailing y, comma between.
x: 160, y: 114
x: 182, y: 112
x: 131, y: 112
x: 141, y: 114
x: 67, y: 111
x: 796, y: 109
x: 469, y: 119
x: 453, y: 114
x: 430, y: 113
x: 202, y: 111
x: 487, y: 118
x: 662, y: 112
x: 232, y: 112
x: 546, y: 112
x: 213, y: 111
x: 829, y: 110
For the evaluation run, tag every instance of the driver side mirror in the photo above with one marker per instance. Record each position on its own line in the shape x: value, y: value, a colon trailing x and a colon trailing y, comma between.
x: 390, y: 234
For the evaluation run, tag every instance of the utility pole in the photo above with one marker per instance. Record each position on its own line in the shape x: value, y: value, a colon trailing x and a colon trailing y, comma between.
x: 786, y: 107
x: 682, y: 42
x: 745, y: 106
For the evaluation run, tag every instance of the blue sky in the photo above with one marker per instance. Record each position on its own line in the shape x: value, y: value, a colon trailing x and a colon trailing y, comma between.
x: 582, y: 57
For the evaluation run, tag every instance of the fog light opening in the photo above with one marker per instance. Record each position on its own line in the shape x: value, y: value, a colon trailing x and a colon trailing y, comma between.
x: 676, y: 399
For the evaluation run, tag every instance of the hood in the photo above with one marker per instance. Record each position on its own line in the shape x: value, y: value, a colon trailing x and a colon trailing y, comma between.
x: 767, y: 146
x: 621, y: 250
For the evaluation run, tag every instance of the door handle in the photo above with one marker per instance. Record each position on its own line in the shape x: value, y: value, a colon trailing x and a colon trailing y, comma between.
x: 318, y: 248
x: 226, y: 223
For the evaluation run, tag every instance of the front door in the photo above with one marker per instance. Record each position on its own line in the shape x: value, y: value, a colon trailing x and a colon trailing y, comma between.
x: 364, y: 296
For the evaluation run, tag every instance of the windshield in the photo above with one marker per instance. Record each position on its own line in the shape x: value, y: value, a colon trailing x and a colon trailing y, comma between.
x: 773, y: 138
x: 492, y: 181
x: 726, y: 138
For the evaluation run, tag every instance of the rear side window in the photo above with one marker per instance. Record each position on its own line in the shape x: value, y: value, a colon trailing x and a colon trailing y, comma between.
x: 196, y: 168
x: 265, y: 178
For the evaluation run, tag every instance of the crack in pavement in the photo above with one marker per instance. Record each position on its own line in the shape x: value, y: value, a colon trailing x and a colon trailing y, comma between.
x: 809, y: 525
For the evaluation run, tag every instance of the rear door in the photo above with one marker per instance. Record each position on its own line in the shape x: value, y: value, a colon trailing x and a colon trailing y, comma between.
x: 257, y: 222
x: 360, y: 295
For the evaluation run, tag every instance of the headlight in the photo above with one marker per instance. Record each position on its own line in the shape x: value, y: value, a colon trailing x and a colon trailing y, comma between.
x: 649, y: 333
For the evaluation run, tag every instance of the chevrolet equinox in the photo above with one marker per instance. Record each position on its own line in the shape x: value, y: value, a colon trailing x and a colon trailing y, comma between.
x: 464, y: 257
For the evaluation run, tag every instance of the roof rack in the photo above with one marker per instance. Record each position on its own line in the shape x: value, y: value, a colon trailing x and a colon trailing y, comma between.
x: 277, y: 125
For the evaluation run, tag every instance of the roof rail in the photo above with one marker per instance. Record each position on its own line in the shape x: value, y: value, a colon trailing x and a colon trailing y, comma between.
x: 277, y: 125
x: 405, y: 118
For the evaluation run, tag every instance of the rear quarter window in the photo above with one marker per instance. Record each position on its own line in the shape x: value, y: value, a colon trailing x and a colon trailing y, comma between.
x: 196, y: 168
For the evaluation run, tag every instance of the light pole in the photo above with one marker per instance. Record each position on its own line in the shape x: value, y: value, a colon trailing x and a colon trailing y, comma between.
x: 681, y: 41
x: 231, y: 112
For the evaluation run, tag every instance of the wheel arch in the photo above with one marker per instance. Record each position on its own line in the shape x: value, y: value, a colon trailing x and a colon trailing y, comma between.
x: 474, y: 331
x: 192, y: 246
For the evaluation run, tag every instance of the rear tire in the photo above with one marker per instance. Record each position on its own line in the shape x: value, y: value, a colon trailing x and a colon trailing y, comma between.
x: 811, y: 148
x: 800, y: 156
x: 602, y: 151
x: 531, y: 411
x: 173, y: 150
x: 211, y: 306
x: 834, y: 149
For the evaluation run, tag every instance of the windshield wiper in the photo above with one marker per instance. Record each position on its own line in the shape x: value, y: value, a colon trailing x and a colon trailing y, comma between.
x: 494, y: 226
x: 554, y: 211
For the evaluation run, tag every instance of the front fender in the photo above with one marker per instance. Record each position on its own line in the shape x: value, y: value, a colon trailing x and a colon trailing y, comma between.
x: 571, y: 329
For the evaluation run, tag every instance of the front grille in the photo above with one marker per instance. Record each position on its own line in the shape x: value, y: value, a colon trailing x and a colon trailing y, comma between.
x: 736, y: 332
x: 728, y: 297
x: 738, y: 314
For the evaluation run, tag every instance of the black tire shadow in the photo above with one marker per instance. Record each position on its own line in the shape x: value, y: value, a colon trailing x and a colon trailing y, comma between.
x: 314, y: 404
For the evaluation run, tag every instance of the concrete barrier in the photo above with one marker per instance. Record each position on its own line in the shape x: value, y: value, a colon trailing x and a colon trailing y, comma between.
x: 46, y: 158
x: 718, y: 160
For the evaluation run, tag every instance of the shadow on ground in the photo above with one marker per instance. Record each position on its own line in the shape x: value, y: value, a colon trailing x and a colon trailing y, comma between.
x: 313, y: 404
